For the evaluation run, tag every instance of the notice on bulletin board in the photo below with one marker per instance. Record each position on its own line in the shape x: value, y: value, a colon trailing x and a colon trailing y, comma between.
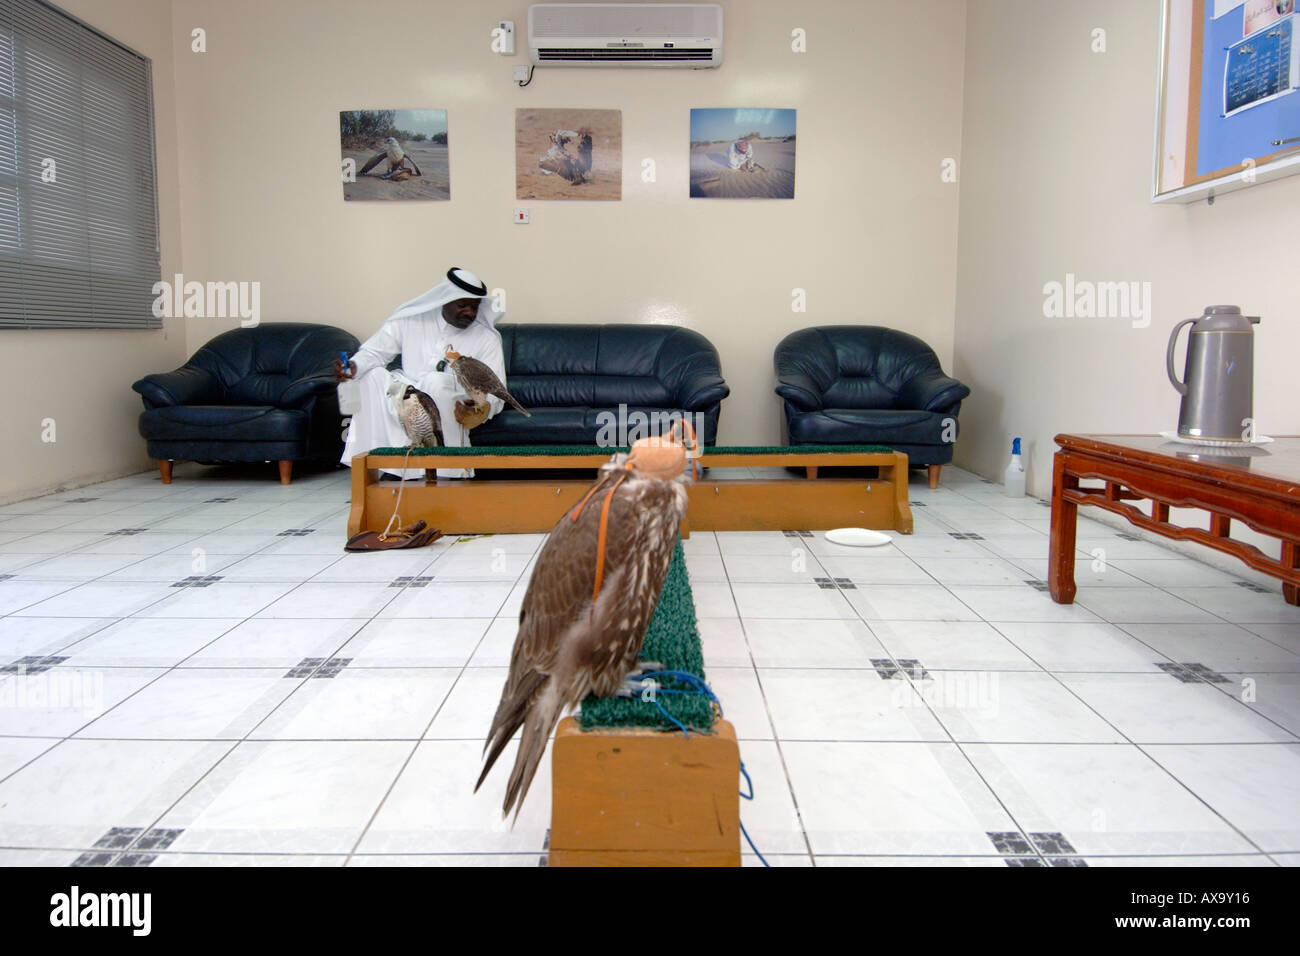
x: 1261, y: 67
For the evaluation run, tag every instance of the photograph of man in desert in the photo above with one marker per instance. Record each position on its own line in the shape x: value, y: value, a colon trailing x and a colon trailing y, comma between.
x: 568, y: 154
x: 394, y: 154
x: 742, y: 154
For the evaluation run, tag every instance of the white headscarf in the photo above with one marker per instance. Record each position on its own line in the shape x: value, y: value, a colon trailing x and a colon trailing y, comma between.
x: 459, y: 284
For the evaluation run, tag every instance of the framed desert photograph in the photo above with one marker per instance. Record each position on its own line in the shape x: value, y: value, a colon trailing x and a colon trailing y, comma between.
x: 742, y: 153
x: 568, y: 154
x: 394, y: 154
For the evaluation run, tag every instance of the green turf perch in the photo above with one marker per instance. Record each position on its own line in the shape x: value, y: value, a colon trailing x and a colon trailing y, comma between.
x: 672, y: 639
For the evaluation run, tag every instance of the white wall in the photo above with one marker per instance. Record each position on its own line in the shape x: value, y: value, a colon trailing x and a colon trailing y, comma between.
x: 870, y: 235
x: 82, y: 379
x: 1056, y: 171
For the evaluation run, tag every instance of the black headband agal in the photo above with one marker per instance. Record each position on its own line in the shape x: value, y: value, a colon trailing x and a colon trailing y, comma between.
x: 478, y: 290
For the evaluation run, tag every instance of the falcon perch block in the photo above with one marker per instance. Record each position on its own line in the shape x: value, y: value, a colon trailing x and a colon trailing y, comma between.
x: 639, y: 797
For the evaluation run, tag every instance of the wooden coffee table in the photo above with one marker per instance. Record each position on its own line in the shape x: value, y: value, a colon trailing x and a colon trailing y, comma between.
x: 1259, y: 486
x: 725, y: 499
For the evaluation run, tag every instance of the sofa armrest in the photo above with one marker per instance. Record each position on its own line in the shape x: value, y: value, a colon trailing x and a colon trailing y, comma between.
x: 187, y: 385
x: 302, y: 391
x: 701, y: 390
x: 800, y: 391
x: 931, y: 391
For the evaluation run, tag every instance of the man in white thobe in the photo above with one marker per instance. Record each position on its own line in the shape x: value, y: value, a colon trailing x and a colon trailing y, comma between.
x: 455, y: 314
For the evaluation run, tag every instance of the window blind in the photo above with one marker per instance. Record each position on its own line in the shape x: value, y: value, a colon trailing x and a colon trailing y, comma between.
x: 78, y: 200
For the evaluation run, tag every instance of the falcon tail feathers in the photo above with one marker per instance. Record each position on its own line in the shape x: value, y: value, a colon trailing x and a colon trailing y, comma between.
x: 537, y: 731
x: 510, y: 400
x: 509, y: 718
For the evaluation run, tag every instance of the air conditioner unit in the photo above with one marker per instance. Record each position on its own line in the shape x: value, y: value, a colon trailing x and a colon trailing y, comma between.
x: 625, y: 34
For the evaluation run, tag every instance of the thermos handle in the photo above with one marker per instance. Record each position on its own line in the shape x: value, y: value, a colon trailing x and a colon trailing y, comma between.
x: 1169, y: 357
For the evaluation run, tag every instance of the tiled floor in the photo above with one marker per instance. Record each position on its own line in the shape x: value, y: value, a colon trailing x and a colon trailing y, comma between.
x: 196, y: 674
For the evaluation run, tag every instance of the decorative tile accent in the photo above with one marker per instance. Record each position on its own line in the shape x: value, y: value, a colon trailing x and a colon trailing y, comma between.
x: 332, y: 667
x: 1045, y: 504
x: 1191, y: 673
x: 1251, y: 586
x: 832, y: 584
x: 93, y: 859
x: 885, y: 668
x: 1053, y: 843
x: 797, y: 534
x: 159, y: 838
x: 32, y: 665
x: 305, y: 667
x: 913, y: 669
x: 136, y: 859
x: 79, y: 501
x: 5, y: 577
x: 965, y: 536
x: 219, y: 501
x: 127, y: 531
x: 410, y: 582
x: 1126, y: 536
x: 198, y: 581
x: 917, y: 504
x: 295, y: 532
x: 1036, y: 585
x: 1025, y: 861
x: 1011, y: 843
x: 118, y: 838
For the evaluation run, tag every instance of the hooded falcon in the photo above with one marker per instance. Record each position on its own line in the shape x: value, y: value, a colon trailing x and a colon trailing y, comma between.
x: 591, y: 596
x: 417, y: 413
x: 479, y: 381
x: 398, y: 160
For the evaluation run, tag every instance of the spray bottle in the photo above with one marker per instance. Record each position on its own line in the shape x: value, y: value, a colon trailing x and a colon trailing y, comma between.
x: 1013, y: 485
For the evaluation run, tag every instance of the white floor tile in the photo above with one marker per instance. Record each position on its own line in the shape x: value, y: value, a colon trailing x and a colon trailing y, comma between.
x: 271, y: 642
x: 363, y: 704
x: 1229, y: 779
x: 892, y: 798
x: 1240, y: 606
x: 909, y: 602
x: 1139, y: 606
x: 797, y: 643
x: 205, y: 704
x: 1012, y: 707
x: 1081, y: 646
x: 1220, y: 646
x: 843, y: 704
x: 412, y: 643
x: 56, y: 702
x: 1104, y: 799
x: 48, y: 803
x: 950, y: 645
x: 287, y: 797
x: 146, y: 642
x: 1159, y: 709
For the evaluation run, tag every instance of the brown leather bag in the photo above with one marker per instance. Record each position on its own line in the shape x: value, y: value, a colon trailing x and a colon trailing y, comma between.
x: 416, y: 536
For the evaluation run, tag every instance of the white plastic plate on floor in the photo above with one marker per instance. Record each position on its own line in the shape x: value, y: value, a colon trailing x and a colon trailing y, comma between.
x: 858, y: 537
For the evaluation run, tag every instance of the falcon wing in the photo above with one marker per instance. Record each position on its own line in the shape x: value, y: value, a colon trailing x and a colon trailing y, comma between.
x: 374, y: 161
x: 435, y: 419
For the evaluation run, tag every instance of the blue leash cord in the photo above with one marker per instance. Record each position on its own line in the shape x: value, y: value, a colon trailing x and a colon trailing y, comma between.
x: 699, y: 687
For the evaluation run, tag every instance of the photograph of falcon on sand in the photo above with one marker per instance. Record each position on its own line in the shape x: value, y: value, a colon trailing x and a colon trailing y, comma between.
x: 568, y: 154
x: 394, y: 154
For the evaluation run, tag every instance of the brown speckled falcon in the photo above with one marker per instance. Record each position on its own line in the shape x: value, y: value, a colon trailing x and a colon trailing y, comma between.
x: 417, y: 413
x: 589, y: 601
x: 479, y: 381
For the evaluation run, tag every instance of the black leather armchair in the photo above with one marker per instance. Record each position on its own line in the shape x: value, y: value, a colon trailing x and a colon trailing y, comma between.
x: 265, y: 393
x: 585, y: 384
x: 868, y: 385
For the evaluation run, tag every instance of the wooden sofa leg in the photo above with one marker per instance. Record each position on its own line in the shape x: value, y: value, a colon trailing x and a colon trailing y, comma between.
x: 934, y: 474
x: 811, y: 470
x: 286, y: 471
x: 165, y: 470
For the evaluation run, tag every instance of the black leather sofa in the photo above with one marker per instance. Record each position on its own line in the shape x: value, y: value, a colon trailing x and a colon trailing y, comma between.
x: 574, y: 378
x: 866, y: 384
x: 265, y: 393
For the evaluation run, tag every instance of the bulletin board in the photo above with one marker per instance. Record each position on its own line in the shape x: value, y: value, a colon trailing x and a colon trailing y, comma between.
x: 1228, y: 113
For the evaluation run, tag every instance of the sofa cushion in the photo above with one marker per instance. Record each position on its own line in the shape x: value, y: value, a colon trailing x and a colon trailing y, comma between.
x: 884, y: 426
x: 548, y: 426
x: 223, y: 422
